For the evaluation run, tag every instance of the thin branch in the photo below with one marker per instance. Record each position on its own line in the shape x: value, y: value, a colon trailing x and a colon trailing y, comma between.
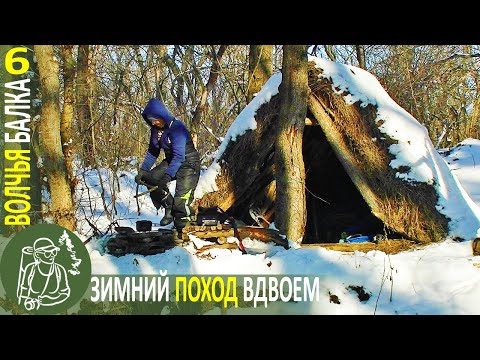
x: 381, y: 287
x: 211, y: 132
x: 318, y: 197
x: 214, y: 72
x: 456, y: 56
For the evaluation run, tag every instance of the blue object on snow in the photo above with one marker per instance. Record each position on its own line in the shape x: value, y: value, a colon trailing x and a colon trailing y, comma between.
x: 357, y: 239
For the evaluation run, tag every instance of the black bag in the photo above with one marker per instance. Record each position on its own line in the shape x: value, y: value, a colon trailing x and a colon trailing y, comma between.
x: 211, y: 216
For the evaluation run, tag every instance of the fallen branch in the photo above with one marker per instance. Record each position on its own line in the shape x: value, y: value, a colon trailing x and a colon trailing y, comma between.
x: 97, y: 232
x: 262, y: 234
x: 387, y: 246
x: 217, y: 246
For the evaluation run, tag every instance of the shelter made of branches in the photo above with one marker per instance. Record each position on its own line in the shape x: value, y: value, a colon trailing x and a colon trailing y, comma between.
x: 350, y: 186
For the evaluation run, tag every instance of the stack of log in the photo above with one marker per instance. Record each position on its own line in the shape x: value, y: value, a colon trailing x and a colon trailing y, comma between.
x: 154, y: 242
x: 220, y: 233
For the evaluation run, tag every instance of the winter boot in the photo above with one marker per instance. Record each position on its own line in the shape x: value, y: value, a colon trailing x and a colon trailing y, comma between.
x: 179, y: 238
x: 167, y: 203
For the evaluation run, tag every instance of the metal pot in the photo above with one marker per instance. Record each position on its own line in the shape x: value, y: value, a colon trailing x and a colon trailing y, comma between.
x: 144, y: 225
x: 124, y: 230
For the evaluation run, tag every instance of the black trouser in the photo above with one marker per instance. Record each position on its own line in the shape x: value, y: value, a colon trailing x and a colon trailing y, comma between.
x: 187, y: 180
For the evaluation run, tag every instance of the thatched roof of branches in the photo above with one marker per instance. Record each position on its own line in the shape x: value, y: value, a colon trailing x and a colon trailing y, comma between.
x: 354, y: 174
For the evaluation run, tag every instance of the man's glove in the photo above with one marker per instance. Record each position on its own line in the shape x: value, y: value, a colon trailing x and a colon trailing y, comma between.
x: 164, y: 180
x: 140, y: 175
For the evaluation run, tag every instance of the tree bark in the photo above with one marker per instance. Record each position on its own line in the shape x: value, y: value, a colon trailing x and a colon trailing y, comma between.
x: 144, y: 82
x: 66, y: 132
x: 337, y: 140
x: 290, y: 205
x: 179, y: 81
x: 259, y: 68
x: 50, y: 139
x: 160, y: 70
x: 329, y: 49
x: 212, y: 79
x: 361, y: 56
x: 473, y: 123
x: 84, y: 93
x: 35, y: 173
x: 475, y: 118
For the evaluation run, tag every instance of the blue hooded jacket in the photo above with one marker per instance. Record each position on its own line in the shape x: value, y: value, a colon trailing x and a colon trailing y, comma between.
x: 175, y: 140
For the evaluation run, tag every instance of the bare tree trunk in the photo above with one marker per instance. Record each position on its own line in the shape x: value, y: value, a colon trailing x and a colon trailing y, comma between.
x: 143, y: 77
x: 361, y: 56
x: 290, y: 205
x: 472, y: 128
x: 83, y: 102
x: 212, y: 79
x: 475, y: 119
x: 160, y: 70
x: 259, y: 68
x: 330, y: 52
x: 50, y: 139
x: 35, y: 173
x: 68, y: 110
x: 179, y: 81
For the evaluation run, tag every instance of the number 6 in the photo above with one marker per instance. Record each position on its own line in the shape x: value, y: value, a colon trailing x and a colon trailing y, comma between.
x: 10, y: 60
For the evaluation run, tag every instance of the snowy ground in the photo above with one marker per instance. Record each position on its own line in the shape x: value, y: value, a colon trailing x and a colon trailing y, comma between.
x: 464, y: 161
x: 438, y: 279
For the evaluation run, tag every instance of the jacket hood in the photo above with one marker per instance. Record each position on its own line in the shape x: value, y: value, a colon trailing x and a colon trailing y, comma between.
x: 157, y: 109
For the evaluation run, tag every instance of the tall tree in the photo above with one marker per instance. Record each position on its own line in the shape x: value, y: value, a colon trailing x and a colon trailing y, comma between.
x: 330, y: 51
x: 50, y: 139
x: 68, y: 109
x: 476, y: 117
x: 85, y: 77
x: 290, y: 205
x: 35, y: 173
x: 361, y: 56
x: 160, y: 71
x: 212, y: 79
x: 259, y: 68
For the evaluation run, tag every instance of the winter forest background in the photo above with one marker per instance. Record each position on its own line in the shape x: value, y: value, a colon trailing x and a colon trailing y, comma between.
x: 96, y: 94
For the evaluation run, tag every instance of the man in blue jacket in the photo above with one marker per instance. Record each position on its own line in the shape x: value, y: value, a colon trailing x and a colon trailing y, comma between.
x: 181, y: 163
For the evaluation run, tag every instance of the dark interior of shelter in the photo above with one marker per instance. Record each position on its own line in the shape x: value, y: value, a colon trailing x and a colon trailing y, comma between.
x: 334, y: 205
